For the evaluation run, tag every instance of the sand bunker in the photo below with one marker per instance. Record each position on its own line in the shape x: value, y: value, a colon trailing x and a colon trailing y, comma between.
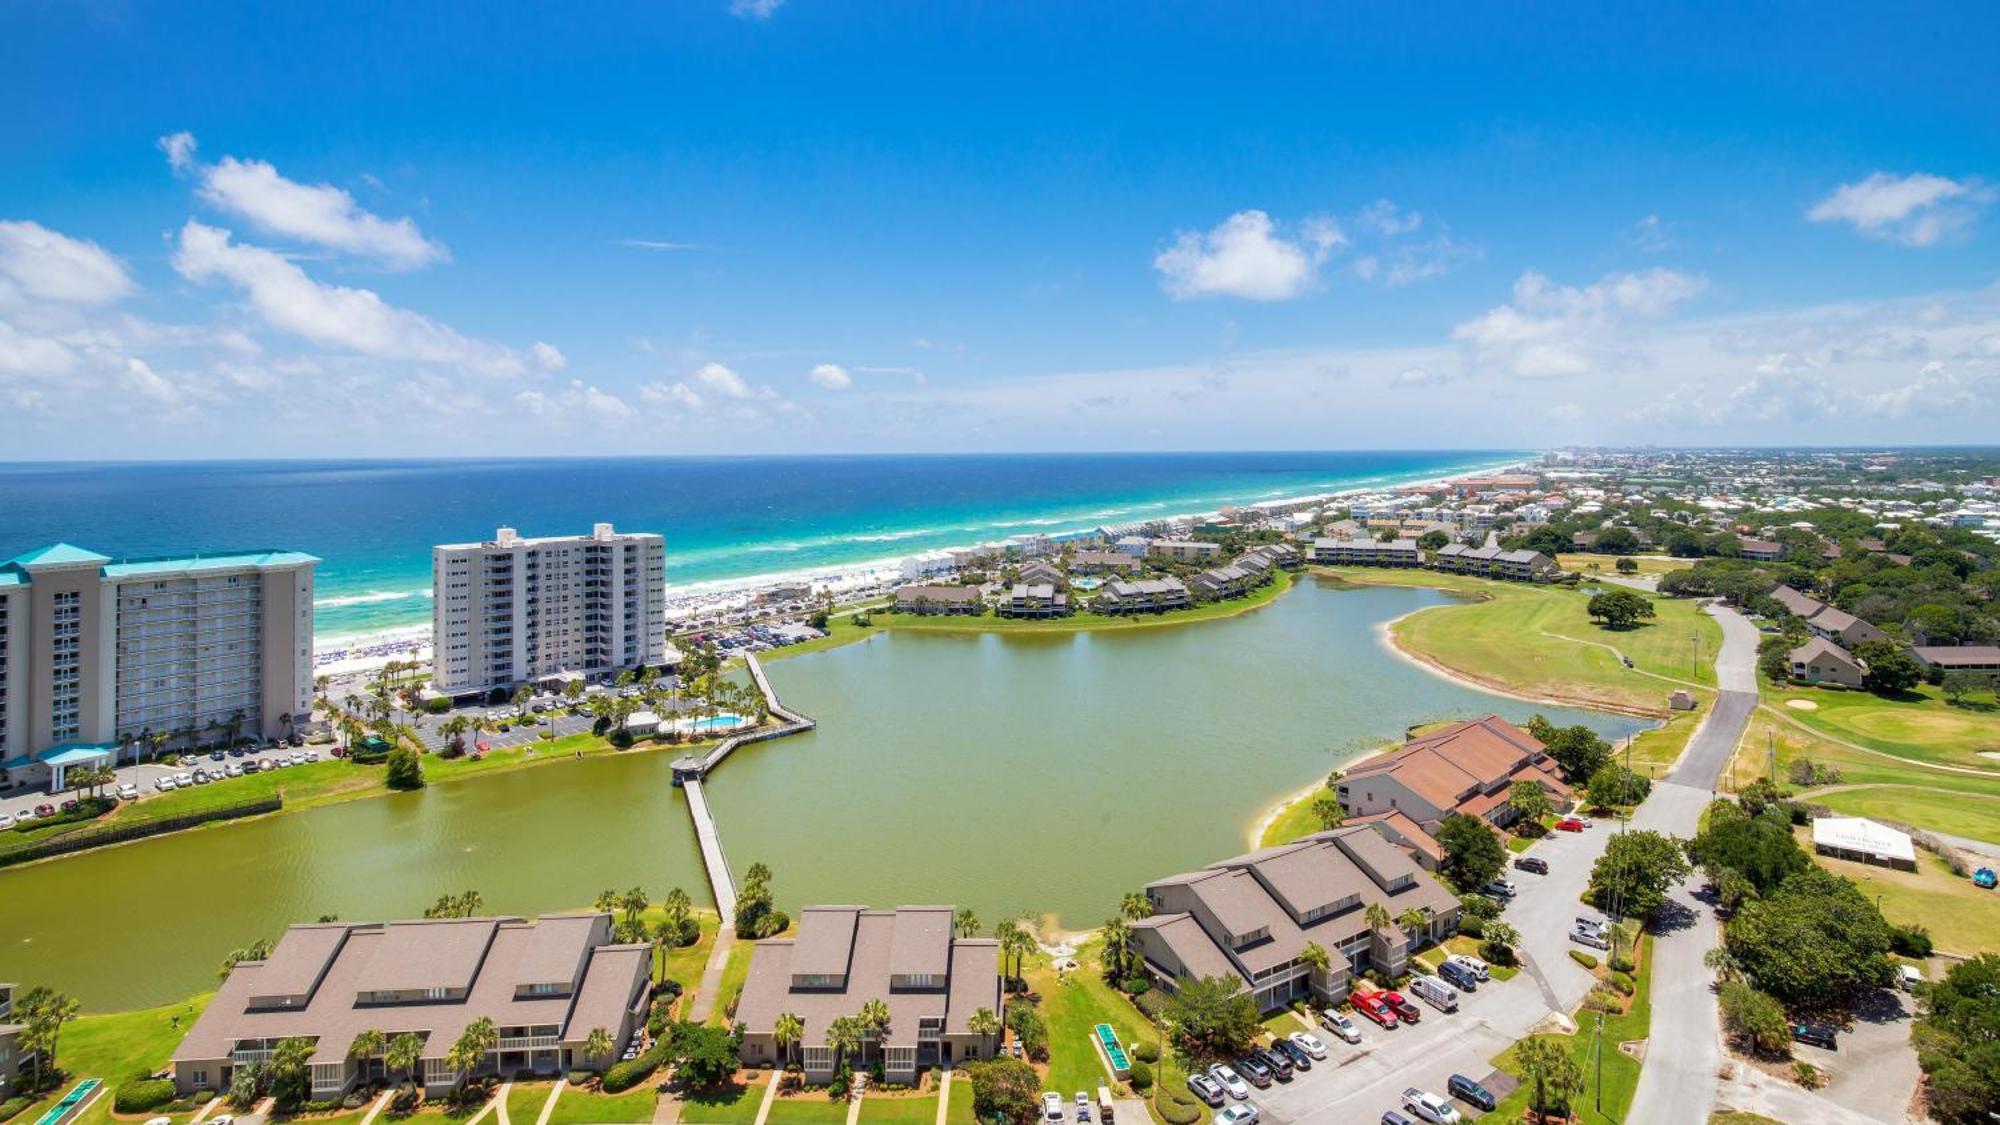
x: 1802, y: 704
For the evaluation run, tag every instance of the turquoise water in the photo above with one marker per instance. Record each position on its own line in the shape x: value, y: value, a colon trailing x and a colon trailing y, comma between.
x: 725, y: 518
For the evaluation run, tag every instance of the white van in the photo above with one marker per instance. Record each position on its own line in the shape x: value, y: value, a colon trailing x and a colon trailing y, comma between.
x: 1908, y: 977
x: 1436, y: 993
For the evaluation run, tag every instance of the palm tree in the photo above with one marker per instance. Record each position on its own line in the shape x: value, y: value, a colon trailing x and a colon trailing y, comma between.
x: 607, y: 901
x: 875, y: 1022
x: 1117, y: 944
x: 364, y: 1047
x: 1328, y: 811
x: 1135, y: 905
x: 479, y: 1037
x: 986, y: 1025
x: 787, y: 1031
x: 1377, y: 916
x: 843, y: 1035
x: 403, y: 1054
x: 597, y: 1045
x: 1413, y: 920
x: 966, y: 922
x: 1550, y: 1071
x: 1315, y: 954
x: 1719, y: 960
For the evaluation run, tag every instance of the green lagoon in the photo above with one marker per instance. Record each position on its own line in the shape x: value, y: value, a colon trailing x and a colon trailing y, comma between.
x: 1017, y: 774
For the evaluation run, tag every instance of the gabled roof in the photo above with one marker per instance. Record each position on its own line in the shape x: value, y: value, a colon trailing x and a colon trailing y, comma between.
x: 1819, y: 648
x: 58, y: 554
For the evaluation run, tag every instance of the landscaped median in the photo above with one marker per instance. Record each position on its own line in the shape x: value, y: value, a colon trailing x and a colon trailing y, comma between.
x: 1607, y: 1074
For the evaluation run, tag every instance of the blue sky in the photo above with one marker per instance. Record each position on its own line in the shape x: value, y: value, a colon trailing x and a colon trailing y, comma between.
x: 707, y: 226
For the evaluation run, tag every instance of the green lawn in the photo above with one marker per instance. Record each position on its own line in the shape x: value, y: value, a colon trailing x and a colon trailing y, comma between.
x: 1539, y: 640
x: 1293, y: 821
x: 729, y: 1105
x: 735, y: 971
x: 1735, y: 1117
x: 113, y: 1046
x: 525, y: 1101
x: 581, y: 1107
x: 840, y: 630
x: 1583, y: 562
x: 686, y: 963
x: 1073, y: 1010
x: 1959, y: 814
x: 1920, y: 726
x: 810, y: 1108
x: 921, y: 1110
x: 959, y: 1112
x: 1621, y: 1071
x: 1962, y: 918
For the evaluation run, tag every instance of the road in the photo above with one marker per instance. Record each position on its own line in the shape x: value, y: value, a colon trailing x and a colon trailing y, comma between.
x: 1679, y: 1081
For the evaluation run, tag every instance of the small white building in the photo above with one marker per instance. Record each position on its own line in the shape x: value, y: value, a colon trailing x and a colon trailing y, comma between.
x: 1864, y: 841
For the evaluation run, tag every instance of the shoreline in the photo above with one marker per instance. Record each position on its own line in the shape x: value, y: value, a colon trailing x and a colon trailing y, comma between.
x: 400, y: 641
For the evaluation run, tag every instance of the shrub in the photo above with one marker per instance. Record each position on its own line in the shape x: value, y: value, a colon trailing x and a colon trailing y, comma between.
x: 437, y: 706
x: 1623, y: 983
x: 1153, y: 1003
x: 1755, y: 1017
x: 579, y: 1077
x: 1177, y: 1111
x: 1912, y: 940
x: 1587, y: 960
x: 624, y: 1075
x: 1621, y: 963
x: 405, y: 771
x: 1471, y: 926
x: 1147, y: 1051
x: 1502, y: 955
x: 1142, y: 1075
x: 143, y: 1094
x: 1134, y: 985
x: 1808, y: 1075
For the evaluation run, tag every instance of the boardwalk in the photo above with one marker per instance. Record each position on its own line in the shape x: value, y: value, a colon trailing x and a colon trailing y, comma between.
x: 720, y: 881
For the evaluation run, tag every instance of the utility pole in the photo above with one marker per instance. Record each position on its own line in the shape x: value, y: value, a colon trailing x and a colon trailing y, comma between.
x: 1771, y: 738
x: 1597, y: 1048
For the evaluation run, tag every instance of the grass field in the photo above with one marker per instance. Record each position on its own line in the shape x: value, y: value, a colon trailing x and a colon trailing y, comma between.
x: 960, y: 1111
x: 735, y: 970
x: 1959, y: 814
x: 1073, y: 1009
x: 1920, y: 726
x: 525, y: 1101
x: 114, y: 1046
x: 1621, y: 1071
x: 1962, y: 918
x: 911, y: 1110
x: 1296, y: 819
x: 810, y: 1108
x: 1584, y: 562
x: 728, y: 1105
x: 581, y: 1107
x: 1737, y: 1117
x: 1540, y: 641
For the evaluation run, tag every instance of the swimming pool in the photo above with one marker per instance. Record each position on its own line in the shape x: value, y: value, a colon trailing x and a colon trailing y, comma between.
x: 69, y: 1103
x: 715, y: 723
x: 1112, y: 1050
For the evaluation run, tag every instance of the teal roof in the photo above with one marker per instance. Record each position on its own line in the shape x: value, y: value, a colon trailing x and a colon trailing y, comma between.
x: 67, y: 754
x: 196, y: 564
x: 58, y: 554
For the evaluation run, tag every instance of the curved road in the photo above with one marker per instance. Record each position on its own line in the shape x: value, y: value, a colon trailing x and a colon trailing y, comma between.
x: 1678, y: 1083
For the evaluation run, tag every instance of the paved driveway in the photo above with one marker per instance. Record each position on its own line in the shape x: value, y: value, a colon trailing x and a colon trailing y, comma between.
x: 1874, y: 1073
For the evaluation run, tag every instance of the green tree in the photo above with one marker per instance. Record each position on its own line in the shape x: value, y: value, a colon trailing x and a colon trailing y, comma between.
x: 983, y: 1023
x: 1579, y: 750
x: 1628, y: 566
x: 705, y: 1055
x: 597, y: 1047
x: 844, y: 1036
x: 1815, y: 940
x: 1614, y: 786
x: 1135, y: 905
x: 42, y: 1012
x: 1212, y: 1016
x: 1757, y: 1019
x: 1433, y: 540
x: 1005, y: 1090
x: 966, y: 922
x: 364, y: 1047
x: 469, y: 1051
x: 786, y: 1031
x: 403, y: 1054
x: 1891, y: 670
x: 1327, y: 810
x: 288, y: 1073
x: 1117, y: 946
x: 1957, y: 1037
x: 1529, y: 801
x: 874, y: 1022
x: 1377, y: 916
x: 404, y: 770
x: 1619, y: 609
x: 1758, y: 848
x: 1473, y: 854
x: 1635, y: 872
x: 1550, y: 1072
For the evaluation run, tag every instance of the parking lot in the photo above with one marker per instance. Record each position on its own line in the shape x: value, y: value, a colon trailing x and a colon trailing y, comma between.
x: 146, y: 777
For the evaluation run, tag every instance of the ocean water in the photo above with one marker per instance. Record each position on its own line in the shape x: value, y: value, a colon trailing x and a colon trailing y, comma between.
x: 726, y: 519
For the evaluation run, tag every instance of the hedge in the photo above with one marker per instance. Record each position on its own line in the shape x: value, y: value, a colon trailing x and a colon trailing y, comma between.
x: 1623, y: 982
x: 143, y: 1095
x: 99, y: 834
x: 1142, y: 1074
x: 1177, y: 1111
x: 1146, y: 1051
x: 623, y: 1076
x: 1587, y: 960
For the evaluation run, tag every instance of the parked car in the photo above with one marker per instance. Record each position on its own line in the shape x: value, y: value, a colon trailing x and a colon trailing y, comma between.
x: 1532, y: 863
x: 1256, y: 1071
x: 1500, y: 888
x: 1391, y: 1117
x: 1226, y: 1077
x: 1907, y: 976
x: 1309, y: 1043
x: 1281, y: 1066
x: 1340, y: 1025
x: 1984, y: 878
x: 1052, y: 1106
x: 183, y: 779
x: 1207, y: 1089
x: 1471, y: 1093
x: 1818, y: 1035
x: 6, y: 821
x: 235, y: 769
x: 1429, y: 1107
x: 165, y: 783
x: 45, y: 809
x: 1405, y: 1011
x: 1293, y: 1053
x: 1436, y: 993
x: 1373, y: 1007
x: 1245, y: 1114
x: 1478, y: 968
x: 1082, y: 1106
x: 1569, y: 824
x: 1458, y: 976
x: 1591, y: 936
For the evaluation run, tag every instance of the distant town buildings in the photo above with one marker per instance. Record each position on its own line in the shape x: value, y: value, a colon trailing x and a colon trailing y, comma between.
x: 515, y: 610
x: 104, y: 660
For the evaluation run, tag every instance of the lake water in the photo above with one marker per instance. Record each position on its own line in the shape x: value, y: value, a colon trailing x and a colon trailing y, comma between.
x: 1012, y: 774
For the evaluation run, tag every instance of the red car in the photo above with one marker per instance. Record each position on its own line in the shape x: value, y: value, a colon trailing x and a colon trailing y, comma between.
x: 1375, y: 1008
x: 1569, y: 824
x: 1405, y: 1011
x: 45, y: 810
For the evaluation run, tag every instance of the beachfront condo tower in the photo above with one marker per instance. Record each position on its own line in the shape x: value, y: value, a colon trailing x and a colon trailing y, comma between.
x: 511, y: 611
x: 104, y: 660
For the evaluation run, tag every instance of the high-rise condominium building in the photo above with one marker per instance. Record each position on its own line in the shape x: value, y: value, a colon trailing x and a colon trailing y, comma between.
x: 512, y: 610
x: 97, y: 656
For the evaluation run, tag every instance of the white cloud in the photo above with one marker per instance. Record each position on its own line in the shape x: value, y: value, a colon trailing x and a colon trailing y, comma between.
x: 356, y: 319
x: 1243, y: 257
x: 652, y: 244
x: 1386, y: 219
x: 317, y: 213
x: 1919, y: 209
x: 1652, y: 235
x: 723, y: 381
x: 546, y: 356
x: 754, y: 9
x: 578, y: 400
x: 674, y: 395
x: 830, y: 376
x: 1419, y: 377
x: 1552, y: 330
x: 40, y: 264
x: 24, y: 354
